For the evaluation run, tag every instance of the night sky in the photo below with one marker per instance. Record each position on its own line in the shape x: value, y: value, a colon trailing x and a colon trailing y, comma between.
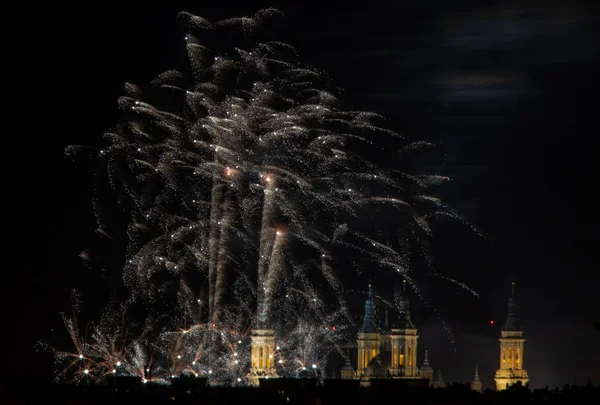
x: 508, y: 92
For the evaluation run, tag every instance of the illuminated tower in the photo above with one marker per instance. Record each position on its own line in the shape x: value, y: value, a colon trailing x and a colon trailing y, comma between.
x: 511, y: 349
x: 426, y: 370
x: 476, y: 385
x: 403, y: 341
x: 263, y: 351
x: 368, y: 337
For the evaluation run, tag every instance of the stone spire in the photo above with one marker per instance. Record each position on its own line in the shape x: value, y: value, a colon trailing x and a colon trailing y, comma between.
x: 426, y: 361
x: 404, y: 307
x: 513, y: 323
x: 369, y: 322
x: 476, y: 385
x: 426, y: 370
x: 439, y: 381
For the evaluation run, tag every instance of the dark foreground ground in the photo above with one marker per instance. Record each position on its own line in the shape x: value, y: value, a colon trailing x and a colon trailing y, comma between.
x: 285, y: 392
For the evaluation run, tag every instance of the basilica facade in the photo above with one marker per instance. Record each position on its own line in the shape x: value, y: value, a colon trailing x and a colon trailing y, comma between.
x: 388, y: 352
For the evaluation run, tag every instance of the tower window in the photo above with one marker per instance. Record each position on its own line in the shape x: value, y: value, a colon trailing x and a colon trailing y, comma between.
x: 409, y: 356
x: 260, y: 356
x: 402, y: 356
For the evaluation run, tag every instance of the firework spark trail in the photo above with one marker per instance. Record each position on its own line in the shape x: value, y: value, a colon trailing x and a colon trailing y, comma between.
x: 241, y: 178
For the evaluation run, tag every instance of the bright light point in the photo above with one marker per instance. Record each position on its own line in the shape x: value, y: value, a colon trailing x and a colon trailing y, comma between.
x: 491, y: 322
x: 114, y: 371
x: 86, y: 371
x: 303, y: 368
x: 333, y: 328
x: 278, y: 233
x: 81, y: 356
x: 239, y: 379
x: 235, y: 354
x: 280, y: 362
x: 209, y: 371
x: 118, y: 363
x: 277, y: 348
x: 179, y: 356
x: 314, y: 366
x: 147, y: 370
x: 172, y: 376
x: 144, y: 381
x: 268, y: 179
x: 239, y: 342
x: 184, y: 332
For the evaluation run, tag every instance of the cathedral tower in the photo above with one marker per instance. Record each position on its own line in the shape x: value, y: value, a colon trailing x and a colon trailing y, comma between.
x: 263, y: 350
x: 368, y: 337
x: 512, y: 345
x: 403, y: 341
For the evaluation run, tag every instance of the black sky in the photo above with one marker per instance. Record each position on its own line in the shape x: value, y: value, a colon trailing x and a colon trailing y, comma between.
x: 509, y: 92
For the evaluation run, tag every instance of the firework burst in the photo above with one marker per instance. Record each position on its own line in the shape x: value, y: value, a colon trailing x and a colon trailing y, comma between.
x: 242, y: 178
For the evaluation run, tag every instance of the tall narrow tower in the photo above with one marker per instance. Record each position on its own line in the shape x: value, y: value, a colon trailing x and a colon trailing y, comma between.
x: 512, y: 345
x: 368, y: 337
x: 403, y: 341
x: 263, y: 350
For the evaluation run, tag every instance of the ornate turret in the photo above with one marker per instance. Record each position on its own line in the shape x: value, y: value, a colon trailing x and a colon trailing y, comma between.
x: 347, y: 372
x: 426, y: 369
x: 512, y: 345
x: 476, y: 385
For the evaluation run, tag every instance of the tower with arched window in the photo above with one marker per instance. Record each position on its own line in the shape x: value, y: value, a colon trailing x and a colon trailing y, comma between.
x: 403, y: 340
x: 263, y: 351
x: 512, y: 344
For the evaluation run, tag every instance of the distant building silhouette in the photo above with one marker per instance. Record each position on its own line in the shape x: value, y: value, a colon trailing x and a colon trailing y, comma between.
x: 439, y: 381
x: 476, y: 384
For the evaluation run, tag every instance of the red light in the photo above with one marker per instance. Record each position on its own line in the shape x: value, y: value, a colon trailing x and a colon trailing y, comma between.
x: 333, y: 328
x: 491, y: 322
